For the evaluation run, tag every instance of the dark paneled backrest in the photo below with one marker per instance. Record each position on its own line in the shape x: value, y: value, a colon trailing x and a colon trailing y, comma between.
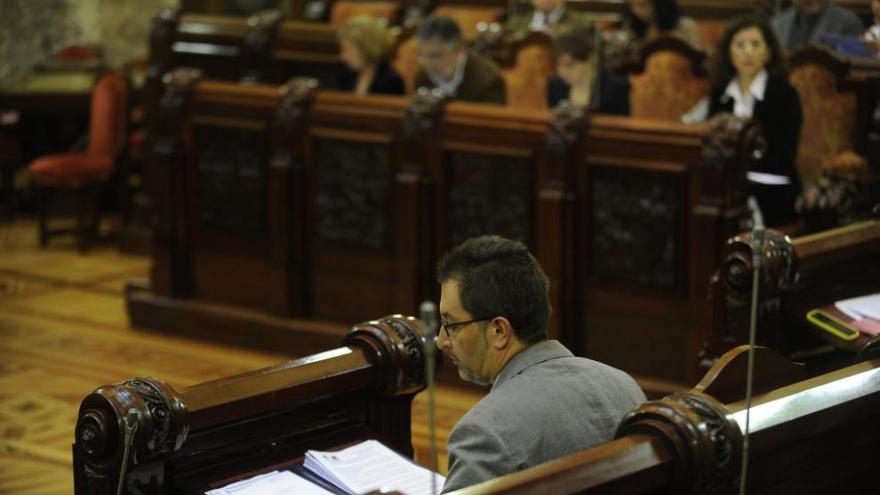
x: 364, y: 203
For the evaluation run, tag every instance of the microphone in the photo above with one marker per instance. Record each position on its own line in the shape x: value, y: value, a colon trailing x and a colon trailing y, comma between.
x: 757, y: 245
x: 428, y: 317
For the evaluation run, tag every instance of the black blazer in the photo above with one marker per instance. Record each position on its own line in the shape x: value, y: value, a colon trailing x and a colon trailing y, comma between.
x: 613, y: 93
x: 780, y: 116
x: 386, y: 81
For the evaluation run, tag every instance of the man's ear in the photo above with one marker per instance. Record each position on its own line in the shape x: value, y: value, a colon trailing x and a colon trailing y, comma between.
x: 502, y: 334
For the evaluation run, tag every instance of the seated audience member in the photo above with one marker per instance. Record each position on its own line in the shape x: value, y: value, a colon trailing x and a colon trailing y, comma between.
x: 550, y: 16
x: 445, y: 64
x: 544, y: 403
x: 872, y: 35
x: 578, y: 81
x: 364, y: 47
x: 749, y: 80
x: 806, y: 21
x: 650, y: 19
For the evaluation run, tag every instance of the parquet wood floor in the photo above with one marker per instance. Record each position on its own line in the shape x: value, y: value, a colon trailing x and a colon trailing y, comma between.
x: 64, y: 332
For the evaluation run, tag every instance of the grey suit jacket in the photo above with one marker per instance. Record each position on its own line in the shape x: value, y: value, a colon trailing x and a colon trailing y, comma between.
x: 546, y: 403
x: 834, y: 20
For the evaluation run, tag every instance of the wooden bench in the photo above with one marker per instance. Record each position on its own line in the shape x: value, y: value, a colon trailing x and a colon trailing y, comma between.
x: 798, y: 274
x: 192, y: 440
x: 277, y: 202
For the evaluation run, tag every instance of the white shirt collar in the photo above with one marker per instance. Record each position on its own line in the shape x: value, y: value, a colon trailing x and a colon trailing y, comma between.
x: 744, y: 104
x: 449, y: 87
x: 538, y: 19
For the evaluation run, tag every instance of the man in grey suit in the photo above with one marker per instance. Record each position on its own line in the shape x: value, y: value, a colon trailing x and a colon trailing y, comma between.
x: 544, y: 402
x: 806, y: 21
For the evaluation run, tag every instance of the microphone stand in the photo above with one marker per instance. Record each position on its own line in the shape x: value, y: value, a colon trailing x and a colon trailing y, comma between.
x: 757, y: 245
x: 428, y: 315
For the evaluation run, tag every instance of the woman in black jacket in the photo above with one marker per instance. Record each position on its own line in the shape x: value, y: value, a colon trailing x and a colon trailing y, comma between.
x: 364, y: 46
x: 749, y: 80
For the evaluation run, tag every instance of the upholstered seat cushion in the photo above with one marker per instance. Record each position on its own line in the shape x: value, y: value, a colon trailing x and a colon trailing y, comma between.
x: 70, y: 169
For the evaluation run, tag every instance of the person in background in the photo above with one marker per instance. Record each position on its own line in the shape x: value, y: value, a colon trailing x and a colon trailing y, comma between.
x: 447, y: 66
x: 807, y: 21
x: 544, y: 403
x: 650, y: 19
x: 550, y: 16
x: 364, y: 48
x: 579, y: 79
x: 872, y: 34
x: 749, y: 80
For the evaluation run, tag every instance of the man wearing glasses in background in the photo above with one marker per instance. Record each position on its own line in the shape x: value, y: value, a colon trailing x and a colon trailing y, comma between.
x: 458, y: 73
x: 544, y: 402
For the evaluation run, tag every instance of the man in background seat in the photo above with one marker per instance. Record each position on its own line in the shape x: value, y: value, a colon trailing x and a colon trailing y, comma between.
x: 807, y: 21
x: 550, y: 16
x: 544, y: 403
x: 446, y: 65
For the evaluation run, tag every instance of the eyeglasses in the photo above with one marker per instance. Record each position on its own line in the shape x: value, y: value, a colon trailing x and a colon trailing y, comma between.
x: 447, y: 327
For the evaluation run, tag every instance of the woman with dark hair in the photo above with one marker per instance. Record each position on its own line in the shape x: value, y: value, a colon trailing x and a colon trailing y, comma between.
x: 749, y: 80
x: 364, y: 47
x: 581, y: 81
x: 650, y: 19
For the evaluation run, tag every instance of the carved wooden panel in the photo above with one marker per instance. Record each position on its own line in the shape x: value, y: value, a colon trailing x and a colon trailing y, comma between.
x: 231, y: 178
x: 633, y: 227
x: 489, y: 195
x: 353, y: 192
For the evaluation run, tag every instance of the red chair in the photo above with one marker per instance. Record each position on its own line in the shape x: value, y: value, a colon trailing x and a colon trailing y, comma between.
x: 85, y: 172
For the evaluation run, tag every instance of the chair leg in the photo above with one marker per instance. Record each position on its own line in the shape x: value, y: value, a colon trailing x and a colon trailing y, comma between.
x: 42, y: 200
x: 82, y: 223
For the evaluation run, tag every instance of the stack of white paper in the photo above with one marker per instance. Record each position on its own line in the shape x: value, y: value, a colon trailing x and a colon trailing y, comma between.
x: 861, y: 307
x: 371, y: 466
x: 274, y: 483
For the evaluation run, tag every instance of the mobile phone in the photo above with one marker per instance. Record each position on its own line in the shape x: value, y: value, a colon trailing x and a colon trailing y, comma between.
x: 832, y: 325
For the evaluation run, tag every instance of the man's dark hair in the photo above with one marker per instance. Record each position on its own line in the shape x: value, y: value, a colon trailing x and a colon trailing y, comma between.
x: 441, y: 28
x: 578, y: 43
x: 722, y: 69
x: 667, y: 12
x: 499, y: 277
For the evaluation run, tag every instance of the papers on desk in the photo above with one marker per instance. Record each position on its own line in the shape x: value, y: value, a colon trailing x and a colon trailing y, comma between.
x: 861, y: 307
x: 370, y: 466
x: 362, y: 468
x: 274, y: 483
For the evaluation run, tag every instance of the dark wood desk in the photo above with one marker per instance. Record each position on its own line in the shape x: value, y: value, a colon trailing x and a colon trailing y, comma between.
x: 50, y: 92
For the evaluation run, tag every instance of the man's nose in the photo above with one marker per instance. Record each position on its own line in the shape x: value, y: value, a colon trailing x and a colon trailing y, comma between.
x: 442, y: 341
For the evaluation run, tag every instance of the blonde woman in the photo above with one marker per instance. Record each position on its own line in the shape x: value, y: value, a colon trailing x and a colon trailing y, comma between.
x: 364, y: 47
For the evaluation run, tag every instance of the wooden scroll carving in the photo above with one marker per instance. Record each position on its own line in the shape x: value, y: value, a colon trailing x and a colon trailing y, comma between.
x: 173, y: 436
x: 566, y: 125
x: 257, y: 59
x: 296, y: 98
x: 723, y: 176
x: 423, y: 114
x: 701, y: 432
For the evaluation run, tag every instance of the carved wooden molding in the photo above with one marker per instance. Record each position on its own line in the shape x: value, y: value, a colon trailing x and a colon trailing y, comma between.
x: 733, y: 147
x: 701, y: 434
x: 397, y: 348
x: 166, y: 126
x: 295, y: 98
x: 163, y: 26
x: 159, y: 414
x: 566, y: 126
x: 261, y: 30
x: 424, y: 111
x: 778, y: 267
x: 258, y: 43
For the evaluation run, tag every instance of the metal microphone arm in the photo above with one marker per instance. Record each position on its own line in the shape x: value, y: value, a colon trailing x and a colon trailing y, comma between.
x: 428, y: 316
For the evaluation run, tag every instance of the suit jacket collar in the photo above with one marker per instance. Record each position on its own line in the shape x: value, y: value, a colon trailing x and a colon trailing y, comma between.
x: 530, y: 356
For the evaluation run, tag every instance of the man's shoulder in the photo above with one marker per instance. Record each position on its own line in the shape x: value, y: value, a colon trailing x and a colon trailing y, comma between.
x: 843, y: 14
x: 786, y: 16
